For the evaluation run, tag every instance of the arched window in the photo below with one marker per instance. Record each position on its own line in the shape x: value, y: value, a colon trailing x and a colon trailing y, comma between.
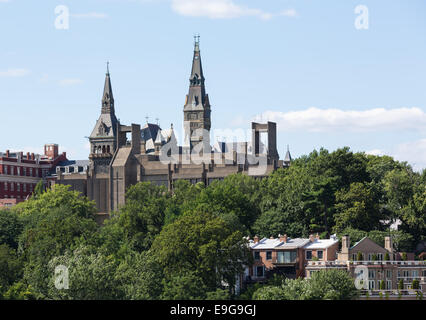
x: 108, y: 149
x: 103, y: 149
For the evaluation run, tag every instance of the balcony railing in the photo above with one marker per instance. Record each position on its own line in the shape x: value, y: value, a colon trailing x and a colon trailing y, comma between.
x: 290, y: 263
x: 366, y: 262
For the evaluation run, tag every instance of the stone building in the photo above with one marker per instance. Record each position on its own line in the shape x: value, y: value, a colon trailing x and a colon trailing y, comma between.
x: 123, y: 155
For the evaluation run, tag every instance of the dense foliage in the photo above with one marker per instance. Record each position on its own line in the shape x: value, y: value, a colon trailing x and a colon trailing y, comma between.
x: 190, y: 243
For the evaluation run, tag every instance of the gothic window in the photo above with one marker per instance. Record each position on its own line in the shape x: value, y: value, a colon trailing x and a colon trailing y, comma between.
x: 103, y: 149
x: 108, y: 149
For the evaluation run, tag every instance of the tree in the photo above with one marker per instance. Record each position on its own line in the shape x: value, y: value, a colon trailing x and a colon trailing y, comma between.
x: 10, y: 268
x: 91, y: 276
x: 357, y: 208
x: 219, y: 294
x: 282, y: 203
x: 10, y: 228
x: 415, y: 284
x: 58, y: 196
x: 333, y: 284
x: 202, y: 243
x: 51, y: 235
x: 142, y: 217
x: 39, y: 189
x: 140, y: 277
x: 235, y: 200
x: 269, y: 293
x: 319, y: 204
x: 186, y: 286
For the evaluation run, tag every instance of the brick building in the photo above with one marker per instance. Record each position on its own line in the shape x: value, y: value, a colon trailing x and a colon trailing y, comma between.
x: 20, y: 173
x: 286, y: 256
x: 379, y: 267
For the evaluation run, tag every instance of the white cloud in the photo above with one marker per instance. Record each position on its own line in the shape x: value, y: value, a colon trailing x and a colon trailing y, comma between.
x: 70, y: 82
x: 412, y: 152
x: 13, y: 73
x: 4, y: 1
x: 288, y: 13
x: 221, y: 9
x: 375, y: 152
x: 337, y: 120
x: 90, y: 15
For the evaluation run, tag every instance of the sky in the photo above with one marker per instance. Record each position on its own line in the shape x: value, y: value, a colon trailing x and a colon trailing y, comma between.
x: 330, y: 73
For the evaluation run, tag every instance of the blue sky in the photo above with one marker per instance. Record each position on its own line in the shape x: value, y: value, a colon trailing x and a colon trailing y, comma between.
x: 301, y: 63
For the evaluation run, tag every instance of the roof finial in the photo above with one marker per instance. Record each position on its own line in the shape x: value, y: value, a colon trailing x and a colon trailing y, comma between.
x: 288, y: 148
x: 107, y: 67
x: 147, y: 118
x: 197, y: 38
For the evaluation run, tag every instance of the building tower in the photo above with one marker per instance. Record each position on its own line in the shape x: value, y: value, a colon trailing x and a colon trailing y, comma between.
x: 103, y: 138
x: 196, y: 111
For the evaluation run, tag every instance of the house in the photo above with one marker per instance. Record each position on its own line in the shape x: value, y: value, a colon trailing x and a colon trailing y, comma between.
x: 379, y: 268
x: 286, y: 256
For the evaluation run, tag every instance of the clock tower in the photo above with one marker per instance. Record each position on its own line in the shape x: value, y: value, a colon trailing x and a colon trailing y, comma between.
x: 196, y: 112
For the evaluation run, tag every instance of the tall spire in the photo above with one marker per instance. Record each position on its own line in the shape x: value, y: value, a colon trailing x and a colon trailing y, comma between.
x: 108, y: 98
x: 197, y: 106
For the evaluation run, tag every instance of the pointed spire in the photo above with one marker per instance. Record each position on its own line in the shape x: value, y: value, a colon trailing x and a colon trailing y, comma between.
x: 287, y: 158
x: 108, y: 98
x: 197, y: 76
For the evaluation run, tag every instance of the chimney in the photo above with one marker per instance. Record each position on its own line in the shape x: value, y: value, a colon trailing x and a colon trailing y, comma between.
x: 346, y: 242
x: 388, y: 244
x: 283, y: 238
x: 7, y: 153
x: 317, y: 236
x: 311, y: 238
x: 32, y: 156
x: 271, y: 237
x: 256, y: 239
x: 28, y: 156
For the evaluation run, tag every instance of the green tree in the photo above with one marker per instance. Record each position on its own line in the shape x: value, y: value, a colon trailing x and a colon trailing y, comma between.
x: 11, y: 268
x: 415, y: 284
x: 10, y: 228
x: 269, y: 293
x: 140, y: 277
x: 142, y: 217
x: 202, y: 243
x: 357, y: 208
x: 91, y: 276
x: 333, y: 284
x: 58, y: 230
x: 235, y: 200
x: 282, y: 203
x: 187, y: 286
x: 39, y: 189
x: 219, y: 294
